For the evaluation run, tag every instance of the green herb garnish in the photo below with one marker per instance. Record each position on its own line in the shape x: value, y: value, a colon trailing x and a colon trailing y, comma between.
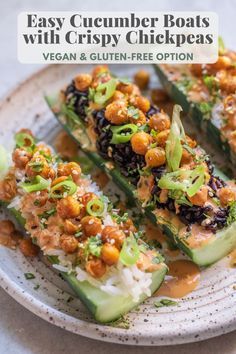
x: 232, y: 214
x: 165, y: 302
x: 29, y: 276
x: 133, y: 112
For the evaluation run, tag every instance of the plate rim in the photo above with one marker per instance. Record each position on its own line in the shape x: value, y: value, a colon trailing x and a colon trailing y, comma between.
x: 96, y: 330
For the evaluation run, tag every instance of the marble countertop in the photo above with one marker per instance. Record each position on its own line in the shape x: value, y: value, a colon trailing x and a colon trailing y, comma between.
x: 21, y: 331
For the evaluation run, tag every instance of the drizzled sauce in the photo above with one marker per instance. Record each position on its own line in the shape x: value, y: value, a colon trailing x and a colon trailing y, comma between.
x: 232, y: 259
x: 154, y: 233
x: 184, y: 278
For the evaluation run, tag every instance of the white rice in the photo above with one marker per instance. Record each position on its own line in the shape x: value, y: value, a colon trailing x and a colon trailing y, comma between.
x: 15, y: 203
x: 107, y: 221
x: 121, y: 280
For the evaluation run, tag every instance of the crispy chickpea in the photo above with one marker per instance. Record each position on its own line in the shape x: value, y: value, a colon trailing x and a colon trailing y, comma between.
x: 112, y: 234
x: 87, y: 197
x: 7, y: 227
x: 186, y: 157
x: 82, y: 82
x: 191, y: 142
x: 162, y: 137
x: 41, y: 198
x: 200, y: 197
x: 142, y: 78
x: 128, y: 89
x: 128, y: 226
x: 96, y: 267
x: 70, y: 169
x: 68, y: 243
x: 223, y: 62
x: 70, y: 228
x: 141, y: 120
x: 159, y: 121
x: 141, y: 103
x: 118, y: 95
x: 196, y: 69
x: 109, y: 254
x: 42, y: 148
x: 159, y: 95
x: 155, y: 157
x: 21, y: 157
x: 117, y: 112
x: 226, y: 195
x: 140, y: 142
x: 68, y: 207
x: 28, y: 248
x: 38, y: 166
x: 100, y: 69
x: 91, y: 226
x: 8, y: 187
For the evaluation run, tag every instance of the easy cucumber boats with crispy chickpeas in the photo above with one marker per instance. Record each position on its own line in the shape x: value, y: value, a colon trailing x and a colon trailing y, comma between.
x: 207, y: 93
x: 97, y: 250
x: 153, y: 160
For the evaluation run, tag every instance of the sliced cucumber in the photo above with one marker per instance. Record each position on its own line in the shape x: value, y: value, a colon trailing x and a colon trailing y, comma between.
x: 104, y: 307
x: 219, y: 247
x: 209, y: 126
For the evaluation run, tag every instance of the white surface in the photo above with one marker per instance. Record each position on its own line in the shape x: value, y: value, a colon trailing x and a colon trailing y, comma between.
x: 22, y: 332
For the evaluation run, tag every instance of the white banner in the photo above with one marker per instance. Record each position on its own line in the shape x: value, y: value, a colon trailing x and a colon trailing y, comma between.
x: 118, y: 37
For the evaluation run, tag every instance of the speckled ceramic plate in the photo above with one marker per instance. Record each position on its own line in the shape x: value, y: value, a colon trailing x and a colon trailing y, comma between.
x: 209, y: 311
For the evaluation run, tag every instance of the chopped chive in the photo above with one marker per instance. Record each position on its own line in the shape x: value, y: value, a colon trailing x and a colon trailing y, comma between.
x: 29, y: 276
x: 165, y: 302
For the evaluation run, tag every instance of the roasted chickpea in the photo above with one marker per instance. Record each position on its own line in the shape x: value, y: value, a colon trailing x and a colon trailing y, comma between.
x: 159, y: 121
x: 87, y: 197
x: 128, y: 89
x: 41, y: 198
x: 68, y: 207
x: 140, y: 142
x: 155, y: 157
x: 100, y: 69
x: 141, y: 103
x: 70, y: 169
x: 112, y: 234
x: 117, y: 112
x: 109, y: 254
x: 91, y: 226
x: 186, y: 158
x: 21, y: 157
x: 223, y: 62
x: 82, y: 82
x: 159, y: 95
x: 68, y: 243
x: 200, y: 197
x: 142, y: 78
x: 28, y: 248
x: 38, y: 166
x: 141, y: 120
x: 70, y: 228
x: 8, y: 187
x: 128, y: 226
x: 118, y: 95
x: 196, y: 69
x: 226, y: 195
x: 7, y: 227
x: 162, y: 137
x: 96, y: 267
x: 191, y: 142
x: 42, y: 148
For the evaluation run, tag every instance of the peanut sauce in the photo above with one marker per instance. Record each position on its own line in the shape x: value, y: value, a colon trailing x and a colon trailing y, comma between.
x: 185, y: 276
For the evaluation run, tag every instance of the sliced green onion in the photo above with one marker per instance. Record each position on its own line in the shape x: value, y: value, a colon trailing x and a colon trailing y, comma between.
x: 174, y: 147
x: 123, y: 134
x: 38, y: 184
x: 189, y: 181
x: 24, y: 139
x: 105, y: 91
x: 221, y: 45
x: 67, y: 187
x: 4, y: 161
x: 129, y: 253
x: 95, y: 207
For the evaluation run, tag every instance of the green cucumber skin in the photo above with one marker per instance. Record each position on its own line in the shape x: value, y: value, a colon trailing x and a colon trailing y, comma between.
x: 102, y: 306
x: 207, y: 125
x: 196, y: 255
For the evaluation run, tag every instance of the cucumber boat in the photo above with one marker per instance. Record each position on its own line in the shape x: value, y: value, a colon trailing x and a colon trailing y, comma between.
x: 171, y: 178
x: 207, y: 94
x: 97, y: 250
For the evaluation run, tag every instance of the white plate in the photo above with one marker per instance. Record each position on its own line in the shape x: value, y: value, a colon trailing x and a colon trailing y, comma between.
x: 209, y: 311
